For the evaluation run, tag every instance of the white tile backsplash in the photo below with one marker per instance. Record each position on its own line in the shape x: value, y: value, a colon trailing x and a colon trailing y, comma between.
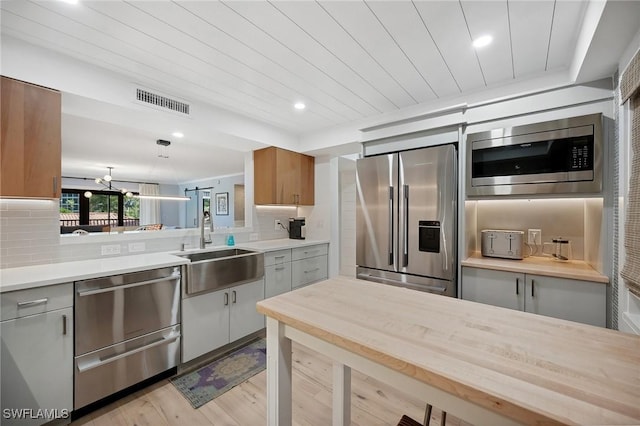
x: 265, y: 217
x: 29, y: 235
x: 29, y: 232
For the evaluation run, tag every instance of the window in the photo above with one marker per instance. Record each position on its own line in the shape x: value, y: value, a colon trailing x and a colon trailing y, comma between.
x: 70, y: 203
x: 104, y: 210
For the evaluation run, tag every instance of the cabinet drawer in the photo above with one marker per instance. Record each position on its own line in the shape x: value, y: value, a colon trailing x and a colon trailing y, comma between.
x: 20, y: 303
x: 277, y: 257
x: 309, y: 251
x: 277, y: 279
x: 306, y: 271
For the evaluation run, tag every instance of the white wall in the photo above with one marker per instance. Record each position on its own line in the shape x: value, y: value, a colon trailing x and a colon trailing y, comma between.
x: 318, y: 216
x: 347, y: 191
x: 170, y: 210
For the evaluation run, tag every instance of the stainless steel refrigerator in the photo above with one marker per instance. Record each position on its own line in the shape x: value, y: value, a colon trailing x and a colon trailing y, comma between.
x: 406, y: 219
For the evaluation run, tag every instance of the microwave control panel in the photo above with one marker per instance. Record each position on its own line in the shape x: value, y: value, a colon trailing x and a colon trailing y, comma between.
x: 581, y: 155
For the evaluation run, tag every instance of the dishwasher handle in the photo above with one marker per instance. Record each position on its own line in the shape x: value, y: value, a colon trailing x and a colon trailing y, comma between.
x: 82, y: 293
x: 110, y: 359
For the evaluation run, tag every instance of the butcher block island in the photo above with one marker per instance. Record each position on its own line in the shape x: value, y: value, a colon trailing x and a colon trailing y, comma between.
x: 484, y: 364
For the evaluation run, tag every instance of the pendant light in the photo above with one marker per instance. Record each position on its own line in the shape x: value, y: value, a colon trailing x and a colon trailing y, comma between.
x: 162, y: 146
x: 106, y: 182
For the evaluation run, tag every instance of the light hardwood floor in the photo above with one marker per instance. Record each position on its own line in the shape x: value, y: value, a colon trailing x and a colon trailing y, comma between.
x: 372, y: 403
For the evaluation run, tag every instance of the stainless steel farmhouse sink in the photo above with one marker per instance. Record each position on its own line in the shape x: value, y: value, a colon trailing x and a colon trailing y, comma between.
x: 214, y: 270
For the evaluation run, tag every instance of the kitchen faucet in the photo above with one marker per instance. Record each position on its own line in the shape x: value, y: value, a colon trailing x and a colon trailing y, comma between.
x: 203, y: 241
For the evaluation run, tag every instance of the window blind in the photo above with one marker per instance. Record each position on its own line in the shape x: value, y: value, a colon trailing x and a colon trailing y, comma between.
x: 629, y: 85
x: 630, y: 81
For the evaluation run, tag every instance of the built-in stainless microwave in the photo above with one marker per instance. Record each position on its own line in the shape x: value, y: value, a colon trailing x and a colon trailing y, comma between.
x: 560, y: 156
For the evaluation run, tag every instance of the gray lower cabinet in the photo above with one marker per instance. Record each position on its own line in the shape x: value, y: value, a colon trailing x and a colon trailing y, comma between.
x: 212, y: 320
x: 37, y: 355
x: 309, y: 264
x: 244, y: 318
x: 288, y: 269
x: 497, y: 288
x: 573, y: 300
x: 277, y: 272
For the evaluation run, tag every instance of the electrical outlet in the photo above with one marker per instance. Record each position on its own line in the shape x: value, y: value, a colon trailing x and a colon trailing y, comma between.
x: 278, y: 224
x: 110, y: 249
x: 136, y: 247
x: 253, y: 236
x: 534, y: 236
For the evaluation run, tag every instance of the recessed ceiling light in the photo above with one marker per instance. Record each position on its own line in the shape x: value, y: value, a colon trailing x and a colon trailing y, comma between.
x: 177, y: 134
x: 482, y: 41
x: 299, y: 106
x: 70, y: 1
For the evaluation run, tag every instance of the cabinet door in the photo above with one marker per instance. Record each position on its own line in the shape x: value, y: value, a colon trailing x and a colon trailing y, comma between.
x: 277, y: 279
x: 37, y: 363
x: 31, y: 140
x: 245, y: 319
x: 306, y: 192
x: 205, y: 323
x: 573, y: 300
x: 288, y: 177
x: 264, y: 176
x: 12, y: 137
x: 497, y: 288
x: 42, y: 142
x: 283, y: 177
x: 307, y: 271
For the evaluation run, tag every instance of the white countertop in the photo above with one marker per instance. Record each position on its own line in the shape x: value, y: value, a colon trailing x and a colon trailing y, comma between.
x: 285, y: 243
x: 25, y: 277
x: 56, y: 273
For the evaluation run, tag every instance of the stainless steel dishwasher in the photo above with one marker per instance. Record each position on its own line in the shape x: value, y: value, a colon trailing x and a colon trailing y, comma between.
x: 127, y: 329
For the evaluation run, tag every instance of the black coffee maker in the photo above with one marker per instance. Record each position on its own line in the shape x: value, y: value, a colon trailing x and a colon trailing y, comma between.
x: 295, y: 228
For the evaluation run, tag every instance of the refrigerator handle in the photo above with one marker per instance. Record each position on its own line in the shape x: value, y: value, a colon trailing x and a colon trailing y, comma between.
x: 391, y: 225
x: 405, y: 223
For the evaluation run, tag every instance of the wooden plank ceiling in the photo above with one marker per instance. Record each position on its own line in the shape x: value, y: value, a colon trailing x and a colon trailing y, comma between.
x: 346, y: 60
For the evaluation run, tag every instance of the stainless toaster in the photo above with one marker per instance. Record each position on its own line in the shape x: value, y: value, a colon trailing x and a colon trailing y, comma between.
x: 501, y: 243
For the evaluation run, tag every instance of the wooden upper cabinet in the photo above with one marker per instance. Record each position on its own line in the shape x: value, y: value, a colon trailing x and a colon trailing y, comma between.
x: 30, y: 141
x: 283, y: 177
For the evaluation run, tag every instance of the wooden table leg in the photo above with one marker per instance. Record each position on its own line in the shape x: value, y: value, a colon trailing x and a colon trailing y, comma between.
x: 278, y: 375
x: 341, y: 394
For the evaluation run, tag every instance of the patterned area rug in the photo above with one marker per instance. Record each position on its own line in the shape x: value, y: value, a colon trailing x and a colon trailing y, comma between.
x: 211, y: 381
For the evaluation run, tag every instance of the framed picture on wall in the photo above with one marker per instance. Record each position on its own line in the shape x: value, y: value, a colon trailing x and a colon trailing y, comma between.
x: 222, y: 204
